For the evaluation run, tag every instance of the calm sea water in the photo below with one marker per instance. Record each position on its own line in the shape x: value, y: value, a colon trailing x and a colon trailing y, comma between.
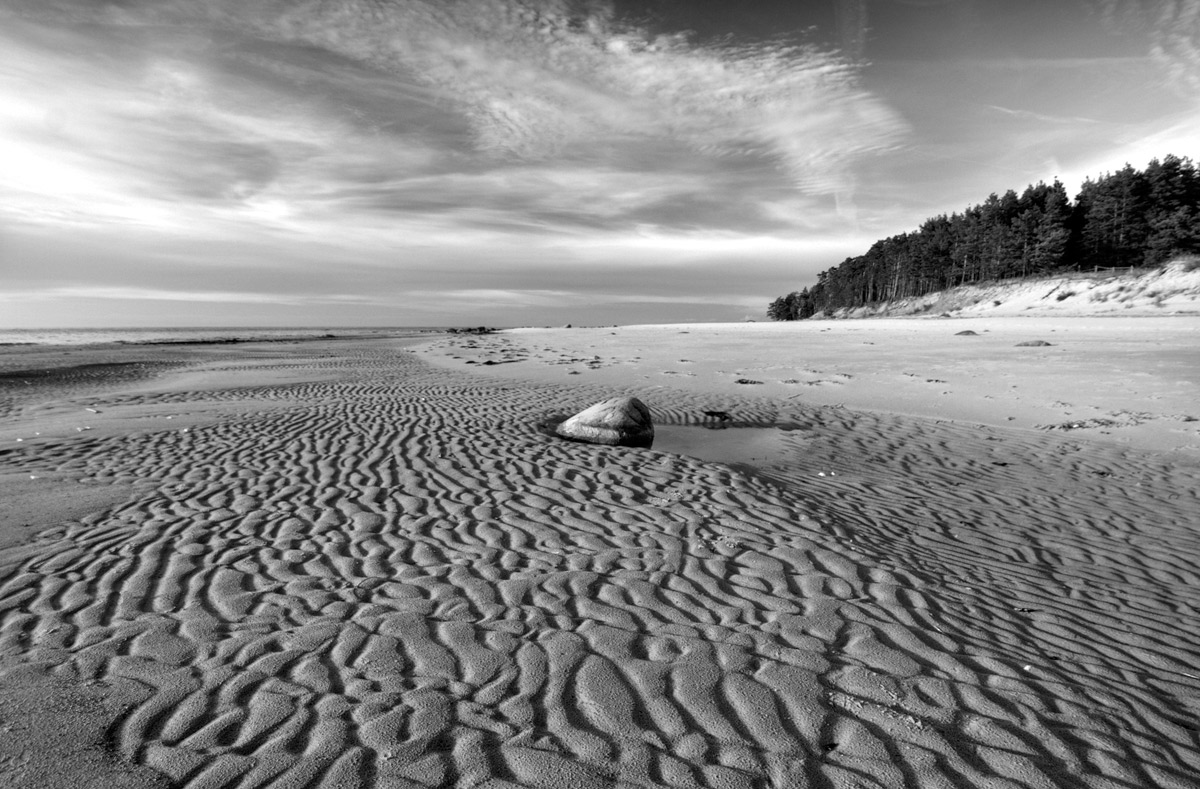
x: 102, y: 336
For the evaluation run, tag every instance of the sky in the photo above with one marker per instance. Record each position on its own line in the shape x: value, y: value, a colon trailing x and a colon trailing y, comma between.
x: 536, y: 162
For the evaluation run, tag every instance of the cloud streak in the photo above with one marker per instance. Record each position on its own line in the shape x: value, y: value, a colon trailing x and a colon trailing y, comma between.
x: 189, y: 296
x: 1174, y: 32
x: 537, y: 80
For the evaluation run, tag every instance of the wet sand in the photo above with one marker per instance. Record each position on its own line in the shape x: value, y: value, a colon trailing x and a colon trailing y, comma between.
x: 349, y: 564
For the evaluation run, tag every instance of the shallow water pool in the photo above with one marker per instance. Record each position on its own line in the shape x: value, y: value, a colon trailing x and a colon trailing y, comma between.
x: 751, y: 446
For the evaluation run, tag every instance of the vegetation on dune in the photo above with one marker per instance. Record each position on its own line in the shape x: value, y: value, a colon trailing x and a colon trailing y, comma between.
x: 1129, y: 218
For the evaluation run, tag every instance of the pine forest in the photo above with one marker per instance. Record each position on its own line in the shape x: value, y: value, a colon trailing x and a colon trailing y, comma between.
x: 1129, y: 218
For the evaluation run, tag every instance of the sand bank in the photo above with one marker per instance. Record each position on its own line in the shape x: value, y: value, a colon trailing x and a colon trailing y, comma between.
x: 1133, y: 381
x: 375, y: 572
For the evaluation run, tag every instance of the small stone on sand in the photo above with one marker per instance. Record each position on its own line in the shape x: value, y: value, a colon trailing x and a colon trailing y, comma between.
x: 621, y: 421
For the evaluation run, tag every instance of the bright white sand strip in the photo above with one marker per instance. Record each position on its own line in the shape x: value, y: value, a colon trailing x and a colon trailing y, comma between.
x: 1135, y: 381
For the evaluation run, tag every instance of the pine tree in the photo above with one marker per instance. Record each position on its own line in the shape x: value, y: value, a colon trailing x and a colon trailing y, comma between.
x: 1043, y: 226
x: 778, y: 310
x: 1113, y: 222
x: 1173, y: 215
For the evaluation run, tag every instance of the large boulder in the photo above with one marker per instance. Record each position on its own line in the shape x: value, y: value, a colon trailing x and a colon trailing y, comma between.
x: 619, y: 422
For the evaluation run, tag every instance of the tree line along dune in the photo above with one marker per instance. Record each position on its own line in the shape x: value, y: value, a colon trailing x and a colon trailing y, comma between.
x: 1124, y: 220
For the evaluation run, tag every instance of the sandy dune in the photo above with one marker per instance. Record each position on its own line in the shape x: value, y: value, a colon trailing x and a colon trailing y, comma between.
x: 1172, y: 289
x: 339, y: 565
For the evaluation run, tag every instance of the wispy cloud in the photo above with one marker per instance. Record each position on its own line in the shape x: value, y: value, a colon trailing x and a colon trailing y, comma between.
x: 538, y: 78
x: 529, y: 81
x: 1041, y: 117
x: 1174, y: 31
x: 262, y: 154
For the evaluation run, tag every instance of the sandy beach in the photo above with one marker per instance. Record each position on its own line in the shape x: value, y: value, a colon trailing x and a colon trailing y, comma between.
x: 908, y: 557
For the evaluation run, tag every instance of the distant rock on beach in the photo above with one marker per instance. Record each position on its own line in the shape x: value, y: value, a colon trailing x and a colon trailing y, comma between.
x: 621, y: 422
x: 1033, y: 344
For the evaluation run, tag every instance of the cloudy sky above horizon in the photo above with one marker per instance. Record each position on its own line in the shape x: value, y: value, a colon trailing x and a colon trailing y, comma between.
x: 513, y: 162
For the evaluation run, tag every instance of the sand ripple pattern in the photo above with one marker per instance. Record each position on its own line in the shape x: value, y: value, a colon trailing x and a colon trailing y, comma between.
x: 393, y: 581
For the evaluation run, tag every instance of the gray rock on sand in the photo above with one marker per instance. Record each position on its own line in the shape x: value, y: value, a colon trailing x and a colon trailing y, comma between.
x: 966, y: 333
x: 619, y: 422
x: 1033, y: 344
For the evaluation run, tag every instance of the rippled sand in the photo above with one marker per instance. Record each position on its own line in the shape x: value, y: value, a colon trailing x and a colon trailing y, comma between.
x: 337, y: 565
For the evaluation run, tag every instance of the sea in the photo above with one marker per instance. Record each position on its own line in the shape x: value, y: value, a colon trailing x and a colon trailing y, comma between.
x: 143, y: 336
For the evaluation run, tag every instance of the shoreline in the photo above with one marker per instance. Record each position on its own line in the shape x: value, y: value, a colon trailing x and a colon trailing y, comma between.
x: 153, y: 335
x: 349, y: 547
